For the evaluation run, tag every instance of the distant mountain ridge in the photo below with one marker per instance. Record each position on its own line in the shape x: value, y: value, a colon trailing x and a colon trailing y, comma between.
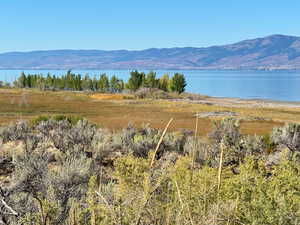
x: 268, y: 53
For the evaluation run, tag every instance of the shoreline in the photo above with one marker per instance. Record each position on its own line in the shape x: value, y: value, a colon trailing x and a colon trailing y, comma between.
x: 202, y: 99
x: 241, y: 102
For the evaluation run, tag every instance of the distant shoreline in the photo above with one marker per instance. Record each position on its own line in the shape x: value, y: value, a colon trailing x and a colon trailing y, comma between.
x: 207, y: 80
x: 243, y: 102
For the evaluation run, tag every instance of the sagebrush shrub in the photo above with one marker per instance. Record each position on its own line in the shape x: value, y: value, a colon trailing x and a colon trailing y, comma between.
x: 288, y: 135
x: 79, y: 174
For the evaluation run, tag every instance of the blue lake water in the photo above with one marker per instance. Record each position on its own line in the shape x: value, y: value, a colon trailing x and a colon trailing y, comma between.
x: 282, y: 86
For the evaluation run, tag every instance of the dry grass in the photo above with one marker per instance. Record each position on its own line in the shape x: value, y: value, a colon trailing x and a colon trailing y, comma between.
x: 116, y: 111
x: 111, y: 96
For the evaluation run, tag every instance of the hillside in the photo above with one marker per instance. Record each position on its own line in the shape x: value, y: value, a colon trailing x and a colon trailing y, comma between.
x: 271, y: 52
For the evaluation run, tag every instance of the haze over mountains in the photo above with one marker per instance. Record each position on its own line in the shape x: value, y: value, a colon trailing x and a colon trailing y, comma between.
x: 271, y: 52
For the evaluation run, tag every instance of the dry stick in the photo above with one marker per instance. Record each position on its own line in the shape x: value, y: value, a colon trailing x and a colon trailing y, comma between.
x: 195, y: 141
x: 107, y: 205
x: 160, y: 141
x: 168, y: 209
x: 152, y: 162
x: 193, y: 155
x: 220, y: 166
x: 181, y: 202
x: 222, y: 146
x: 12, y: 212
x: 147, y: 201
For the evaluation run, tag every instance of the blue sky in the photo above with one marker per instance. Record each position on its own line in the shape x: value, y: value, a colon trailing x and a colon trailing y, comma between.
x: 130, y: 24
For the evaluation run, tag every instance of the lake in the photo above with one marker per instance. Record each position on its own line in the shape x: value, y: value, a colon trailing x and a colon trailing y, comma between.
x: 279, y: 85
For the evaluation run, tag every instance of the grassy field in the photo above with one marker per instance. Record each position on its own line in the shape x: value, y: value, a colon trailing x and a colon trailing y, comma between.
x: 116, y: 111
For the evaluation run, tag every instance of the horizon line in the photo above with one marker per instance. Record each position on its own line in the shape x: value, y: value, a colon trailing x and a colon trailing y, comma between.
x: 144, y: 49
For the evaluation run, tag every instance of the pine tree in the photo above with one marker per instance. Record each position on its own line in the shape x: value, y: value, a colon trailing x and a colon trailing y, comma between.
x: 95, y: 84
x: 151, y: 80
x: 177, y: 83
x: 116, y: 85
x: 22, y: 81
x: 164, y: 82
x: 103, y: 83
x: 136, y: 80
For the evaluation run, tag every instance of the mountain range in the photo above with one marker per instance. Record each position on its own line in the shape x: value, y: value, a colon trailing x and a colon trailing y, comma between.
x: 269, y: 53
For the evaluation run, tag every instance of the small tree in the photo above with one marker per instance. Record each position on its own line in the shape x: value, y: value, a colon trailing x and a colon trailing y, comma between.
x: 40, y: 83
x: 136, y: 80
x: 116, y: 85
x: 178, y: 83
x: 95, y: 84
x: 164, y: 82
x: 21, y: 81
x: 78, y: 82
x: 49, y: 81
x: 151, y: 80
x: 87, y: 83
x: 104, y: 83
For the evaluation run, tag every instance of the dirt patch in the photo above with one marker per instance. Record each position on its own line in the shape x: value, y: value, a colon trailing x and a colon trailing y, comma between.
x: 242, y: 103
x: 216, y: 114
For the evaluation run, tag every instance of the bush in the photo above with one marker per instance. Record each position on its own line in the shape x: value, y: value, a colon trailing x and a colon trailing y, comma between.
x: 227, y: 131
x: 289, y: 136
x: 80, y: 174
x: 153, y: 93
x: 39, y: 119
x: 71, y: 119
x: 14, y: 132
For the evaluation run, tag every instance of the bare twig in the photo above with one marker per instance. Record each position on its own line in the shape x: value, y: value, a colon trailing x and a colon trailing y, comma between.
x: 193, y: 156
x: 220, y: 165
x: 160, y: 141
x: 181, y: 202
x: 11, y: 210
x: 108, y: 205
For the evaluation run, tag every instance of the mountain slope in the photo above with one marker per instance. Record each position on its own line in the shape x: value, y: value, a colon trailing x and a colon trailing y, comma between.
x: 272, y: 52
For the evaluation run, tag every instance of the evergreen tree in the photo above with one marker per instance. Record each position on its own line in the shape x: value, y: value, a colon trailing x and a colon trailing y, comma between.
x: 78, y: 82
x: 103, y: 83
x: 22, y: 81
x: 49, y: 82
x: 95, y: 84
x: 28, y: 81
x: 177, y: 83
x: 71, y: 81
x: 151, y: 80
x: 116, y: 85
x: 40, y: 83
x: 87, y: 83
x: 164, y: 82
x: 62, y: 82
x: 136, y: 80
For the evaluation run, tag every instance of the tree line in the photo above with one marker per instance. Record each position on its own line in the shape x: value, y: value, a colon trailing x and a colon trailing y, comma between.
x: 76, y: 82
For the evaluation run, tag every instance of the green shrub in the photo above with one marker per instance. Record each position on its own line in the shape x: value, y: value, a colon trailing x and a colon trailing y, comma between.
x: 265, y: 200
x: 79, y: 174
x: 39, y: 119
x: 72, y: 119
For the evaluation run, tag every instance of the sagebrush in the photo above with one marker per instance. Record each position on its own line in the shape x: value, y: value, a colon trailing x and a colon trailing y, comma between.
x: 63, y: 171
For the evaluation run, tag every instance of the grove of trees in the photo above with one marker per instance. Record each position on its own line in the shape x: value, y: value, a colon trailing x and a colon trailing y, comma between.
x: 77, y: 82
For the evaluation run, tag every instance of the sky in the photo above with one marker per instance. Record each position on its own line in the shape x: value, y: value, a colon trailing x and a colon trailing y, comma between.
x: 27, y: 25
